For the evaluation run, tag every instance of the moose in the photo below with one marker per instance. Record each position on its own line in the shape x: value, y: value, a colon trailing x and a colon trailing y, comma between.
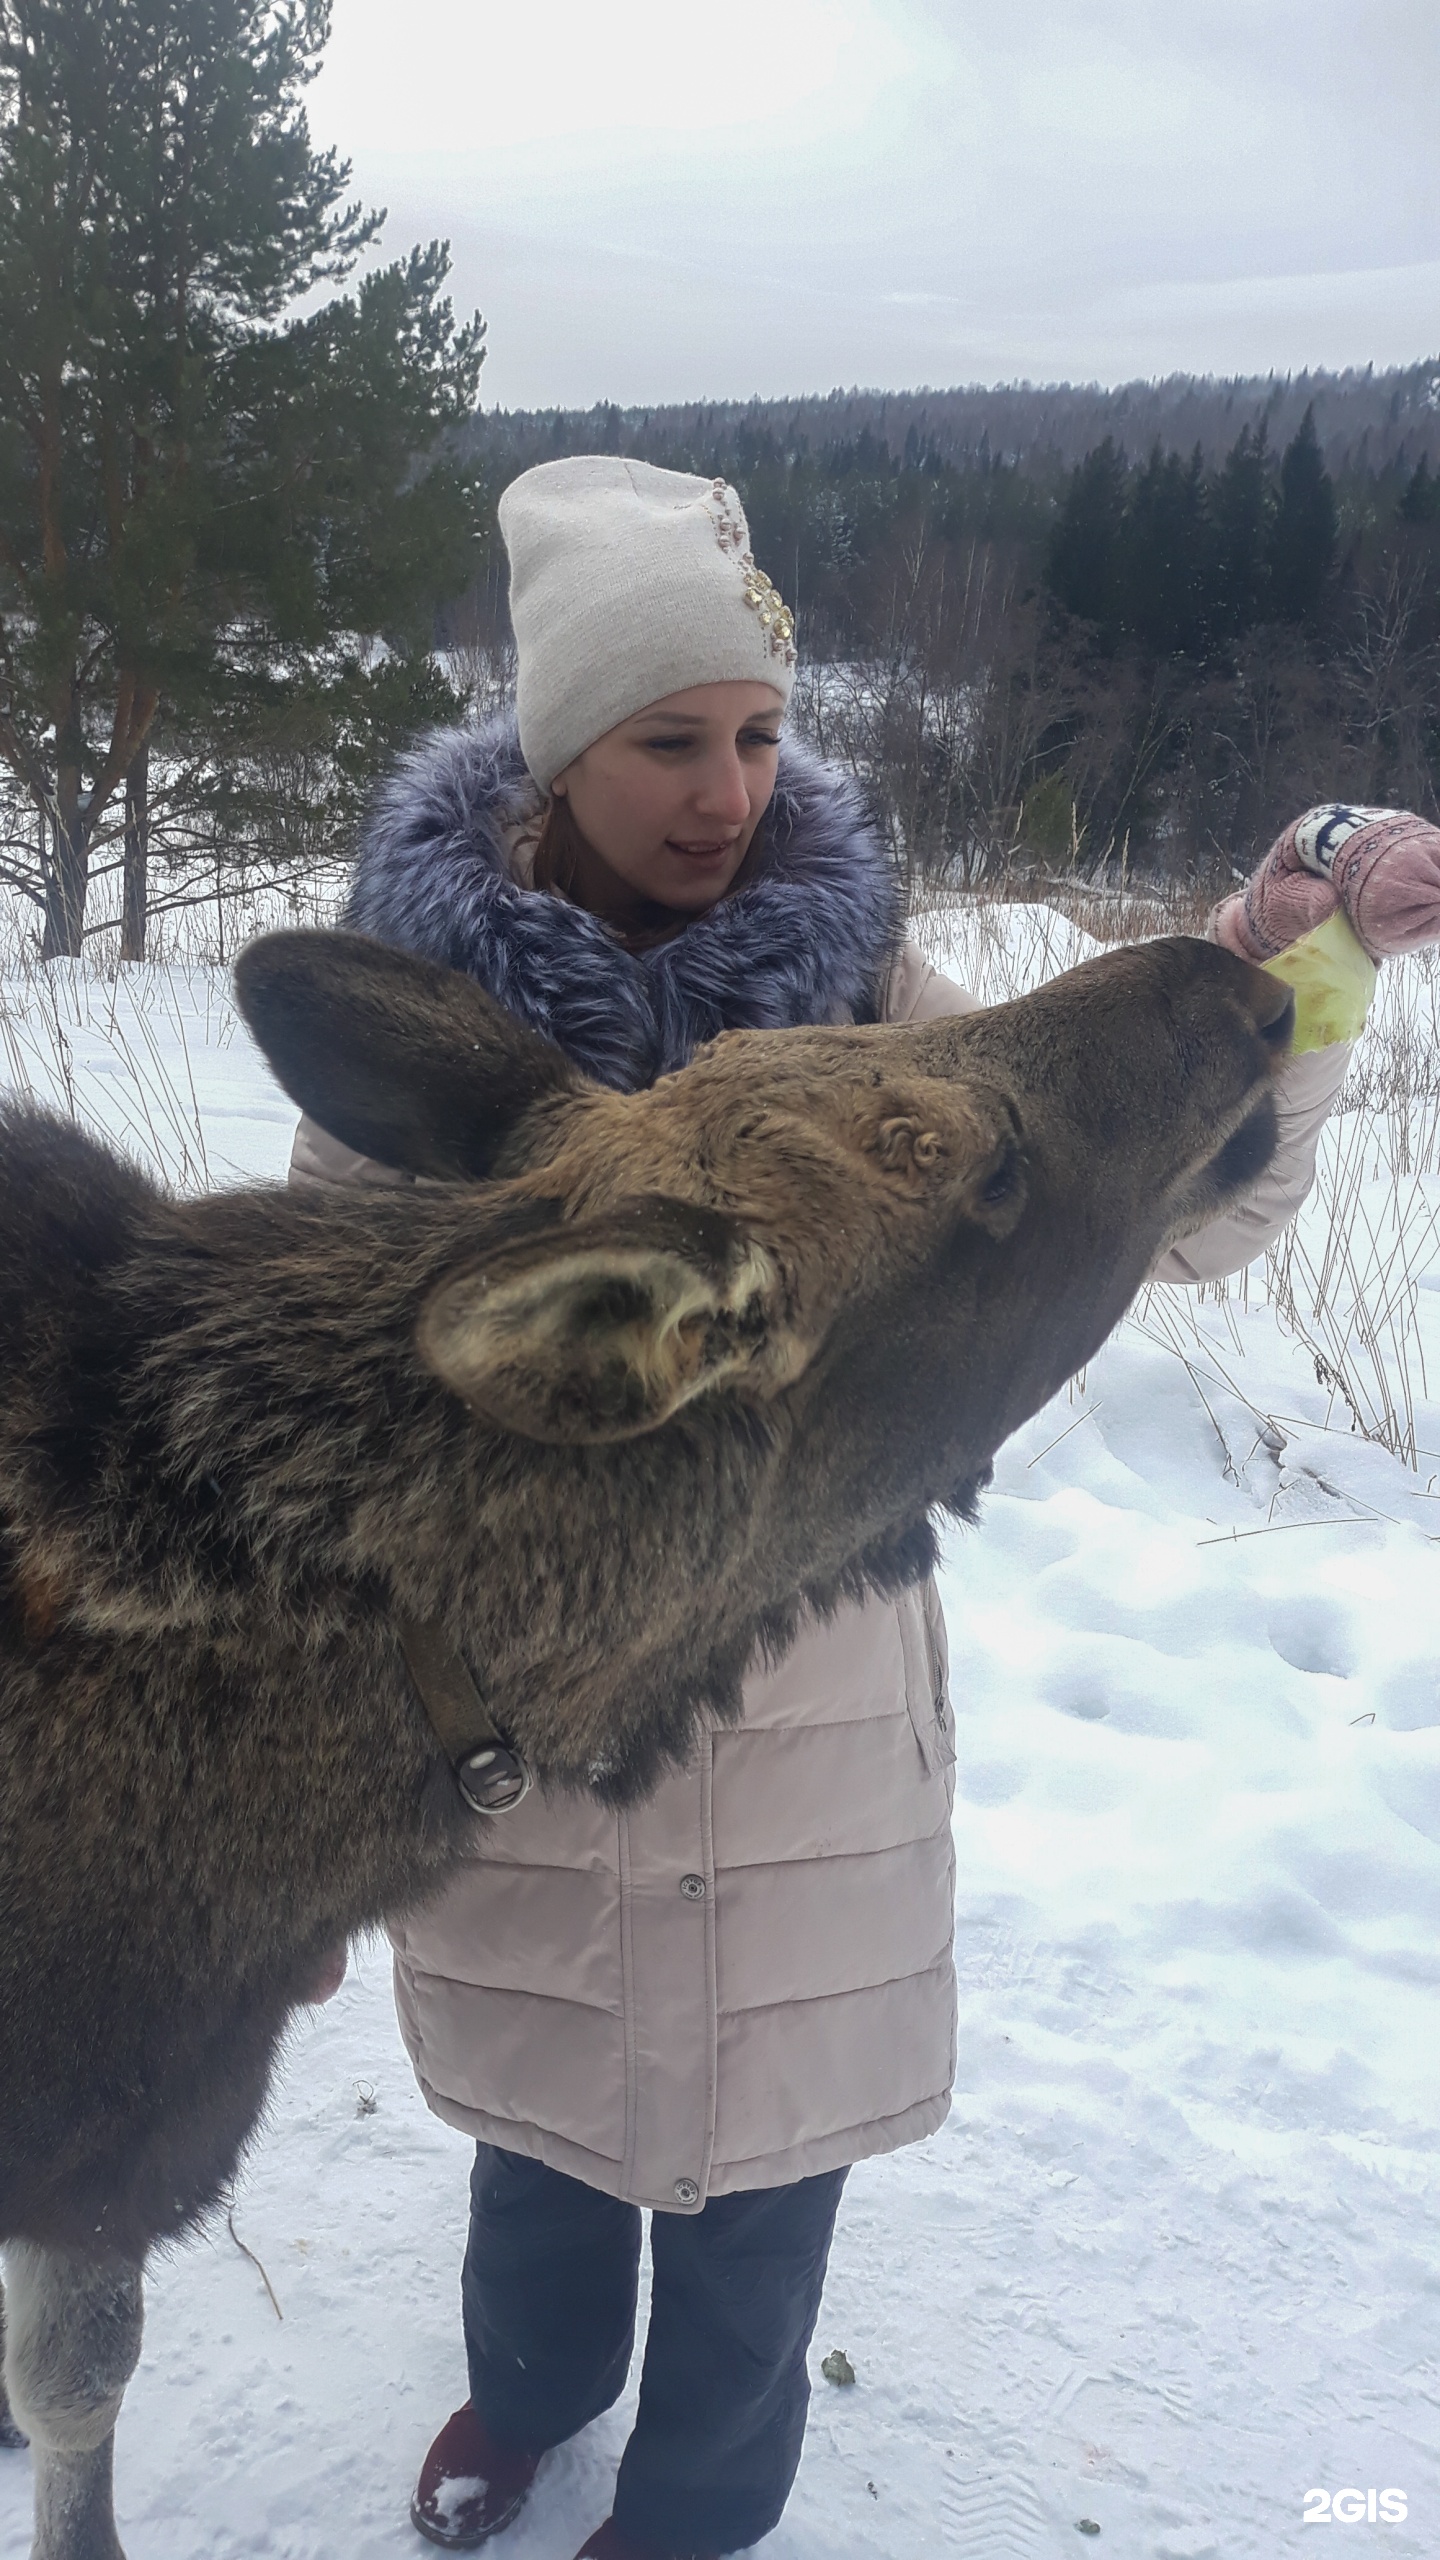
x: 327, y: 1521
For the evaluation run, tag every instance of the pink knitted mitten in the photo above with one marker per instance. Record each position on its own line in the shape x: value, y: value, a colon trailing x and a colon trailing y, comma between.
x: 1379, y: 867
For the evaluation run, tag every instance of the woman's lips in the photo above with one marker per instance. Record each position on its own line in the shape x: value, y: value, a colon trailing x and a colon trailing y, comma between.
x: 700, y: 852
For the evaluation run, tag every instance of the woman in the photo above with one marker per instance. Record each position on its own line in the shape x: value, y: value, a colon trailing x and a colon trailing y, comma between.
x: 709, y: 2005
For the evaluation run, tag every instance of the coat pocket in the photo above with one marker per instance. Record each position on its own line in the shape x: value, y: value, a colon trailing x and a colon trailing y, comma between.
x: 927, y: 1688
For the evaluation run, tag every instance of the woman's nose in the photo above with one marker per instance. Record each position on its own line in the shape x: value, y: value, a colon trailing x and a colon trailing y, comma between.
x: 724, y: 791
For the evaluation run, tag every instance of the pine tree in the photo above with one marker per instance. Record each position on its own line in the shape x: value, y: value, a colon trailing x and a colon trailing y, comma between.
x: 201, y: 503
x: 1302, y: 539
x: 1166, y: 555
x: 1242, y: 507
x: 1085, y: 564
x: 1420, y: 503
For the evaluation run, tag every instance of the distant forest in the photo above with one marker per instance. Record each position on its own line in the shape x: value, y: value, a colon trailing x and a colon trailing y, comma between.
x: 1077, y: 628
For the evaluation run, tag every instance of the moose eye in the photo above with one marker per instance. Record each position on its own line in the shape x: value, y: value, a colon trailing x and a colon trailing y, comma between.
x: 1002, y: 1184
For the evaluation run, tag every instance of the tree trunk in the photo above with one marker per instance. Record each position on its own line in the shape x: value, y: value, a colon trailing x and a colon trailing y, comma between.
x: 137, y: 857
x: 68, y: 876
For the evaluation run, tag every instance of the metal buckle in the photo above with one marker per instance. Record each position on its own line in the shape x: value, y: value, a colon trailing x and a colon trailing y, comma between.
x: 493, y: 1779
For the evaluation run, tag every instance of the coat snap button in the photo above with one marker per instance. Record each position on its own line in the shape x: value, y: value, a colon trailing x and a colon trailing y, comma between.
x: 693, y: 1888
x: 686, y: 2191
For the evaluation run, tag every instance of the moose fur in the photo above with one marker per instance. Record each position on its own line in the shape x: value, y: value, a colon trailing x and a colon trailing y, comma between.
x: 621, y: 1386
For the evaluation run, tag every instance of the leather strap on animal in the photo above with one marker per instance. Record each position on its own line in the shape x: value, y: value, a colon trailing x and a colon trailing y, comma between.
x: 490, y: 1776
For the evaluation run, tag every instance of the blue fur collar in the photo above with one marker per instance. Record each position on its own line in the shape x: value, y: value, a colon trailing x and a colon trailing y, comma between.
x: 807, y: 940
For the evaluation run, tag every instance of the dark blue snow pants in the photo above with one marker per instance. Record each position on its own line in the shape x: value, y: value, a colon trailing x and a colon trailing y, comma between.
x: 549, y: 2302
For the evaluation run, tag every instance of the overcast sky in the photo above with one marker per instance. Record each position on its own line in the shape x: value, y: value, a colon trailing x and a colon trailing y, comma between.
x: 653, y: 202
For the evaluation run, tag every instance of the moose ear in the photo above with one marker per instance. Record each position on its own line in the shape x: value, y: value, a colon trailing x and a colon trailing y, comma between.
x: 406, y: 1062
x: 602, y: 1330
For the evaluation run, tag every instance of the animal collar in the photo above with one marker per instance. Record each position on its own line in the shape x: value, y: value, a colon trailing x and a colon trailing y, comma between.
x: 490, y: 1774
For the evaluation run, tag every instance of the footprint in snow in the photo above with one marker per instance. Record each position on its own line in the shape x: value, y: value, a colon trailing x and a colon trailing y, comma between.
x: 998, y: 2517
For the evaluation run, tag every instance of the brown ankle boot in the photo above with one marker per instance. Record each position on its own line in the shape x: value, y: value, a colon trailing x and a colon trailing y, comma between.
x: 470, y: 2487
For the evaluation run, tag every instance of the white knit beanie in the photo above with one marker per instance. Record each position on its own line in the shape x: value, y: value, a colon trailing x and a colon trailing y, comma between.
x: 628, y: 583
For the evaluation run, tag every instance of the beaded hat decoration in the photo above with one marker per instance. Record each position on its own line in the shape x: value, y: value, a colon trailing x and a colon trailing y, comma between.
x: 775, y: 615
x: 760, y: 593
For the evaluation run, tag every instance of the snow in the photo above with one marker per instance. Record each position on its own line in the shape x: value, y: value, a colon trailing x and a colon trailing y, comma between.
x: 1173, y: 2261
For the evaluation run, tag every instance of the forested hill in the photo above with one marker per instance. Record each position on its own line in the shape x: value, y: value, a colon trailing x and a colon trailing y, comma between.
x: 1142, y: 625
x: 1367, y: 421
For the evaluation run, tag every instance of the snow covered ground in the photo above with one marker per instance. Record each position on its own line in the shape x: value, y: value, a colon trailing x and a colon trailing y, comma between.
x: 1174, y: 2261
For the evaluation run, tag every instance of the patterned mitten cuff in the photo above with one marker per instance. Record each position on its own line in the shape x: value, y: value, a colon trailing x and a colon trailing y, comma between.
x: 1378, y: 867
x: 1384, y: 867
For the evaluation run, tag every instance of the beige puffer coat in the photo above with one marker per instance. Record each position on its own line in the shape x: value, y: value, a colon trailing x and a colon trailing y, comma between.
x: 747, y: 1979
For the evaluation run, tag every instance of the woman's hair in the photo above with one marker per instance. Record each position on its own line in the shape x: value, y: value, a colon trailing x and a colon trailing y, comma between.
x: 557, y: 848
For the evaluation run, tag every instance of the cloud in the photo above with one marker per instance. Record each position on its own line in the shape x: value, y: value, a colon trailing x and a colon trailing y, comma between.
x: 554, y: 71
x: 651, y: 204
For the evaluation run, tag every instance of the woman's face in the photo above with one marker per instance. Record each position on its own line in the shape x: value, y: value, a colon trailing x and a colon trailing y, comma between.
x: 668, y: 801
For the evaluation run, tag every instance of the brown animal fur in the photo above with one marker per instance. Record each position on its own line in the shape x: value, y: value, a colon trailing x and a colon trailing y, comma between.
x: 647, y: 1376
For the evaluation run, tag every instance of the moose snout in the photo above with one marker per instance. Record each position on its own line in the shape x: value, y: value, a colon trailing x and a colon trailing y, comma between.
x: 1222, y: 993
x: 1266, y: 1003
x: 1272, y: 1006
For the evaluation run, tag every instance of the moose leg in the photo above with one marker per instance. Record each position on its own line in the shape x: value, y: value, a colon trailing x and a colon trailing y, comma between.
x: 11, y: 2436
x: 73, y: 2341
